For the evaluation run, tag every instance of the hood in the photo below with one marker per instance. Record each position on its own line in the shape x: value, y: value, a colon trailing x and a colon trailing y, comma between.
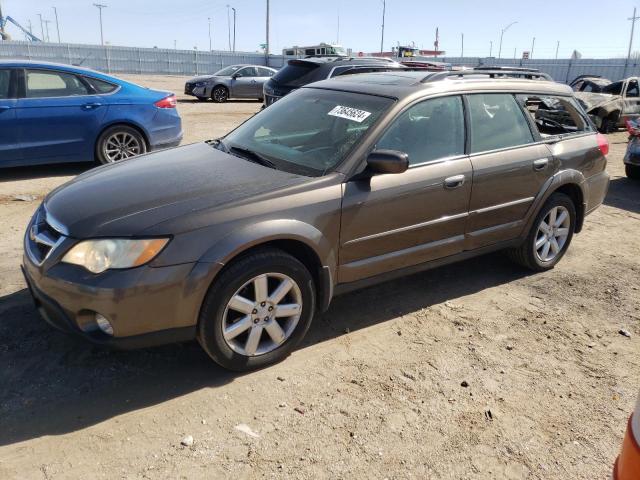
x: 594, y: 100
x: 202, y: 78
x: 124, y: 199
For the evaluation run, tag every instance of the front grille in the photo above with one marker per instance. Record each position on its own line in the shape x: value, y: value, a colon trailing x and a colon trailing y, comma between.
x: 42, y: 237
x: 188, y: 88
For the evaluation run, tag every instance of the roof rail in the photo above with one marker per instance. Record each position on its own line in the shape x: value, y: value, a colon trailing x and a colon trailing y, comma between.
x: 500, y: 74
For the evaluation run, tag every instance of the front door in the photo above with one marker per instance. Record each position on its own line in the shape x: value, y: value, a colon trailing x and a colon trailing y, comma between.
x: 10, y: 153
x: 398, y: 220
x: 58, y: 118
x: 509, y: 169
x: 244, y: 83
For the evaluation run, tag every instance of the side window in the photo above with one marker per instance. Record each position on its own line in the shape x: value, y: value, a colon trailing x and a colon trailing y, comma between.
x: 632, y: 89
x: 265, y: 72
x: 5, y: 78
x: 427, y: 131
x: 310, y: 51
x: 497, y: 122
x: 247, y: 72
x: 578, y: 86
x: 554, y: 115
x: 614, y: 89
x: 41, y: 83
x: 101, y: 86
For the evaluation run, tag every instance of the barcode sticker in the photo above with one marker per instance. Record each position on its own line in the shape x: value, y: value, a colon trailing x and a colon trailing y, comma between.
x: 349, y: 113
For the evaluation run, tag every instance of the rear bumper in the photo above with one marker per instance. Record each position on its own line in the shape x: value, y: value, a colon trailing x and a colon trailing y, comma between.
x: 597, y: 187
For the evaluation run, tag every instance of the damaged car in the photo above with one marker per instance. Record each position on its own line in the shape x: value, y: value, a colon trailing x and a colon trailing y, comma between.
x: 610, y: 107
x: 235, y: 81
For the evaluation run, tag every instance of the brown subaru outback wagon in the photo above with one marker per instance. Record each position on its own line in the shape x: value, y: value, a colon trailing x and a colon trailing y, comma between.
x: 240, y: 241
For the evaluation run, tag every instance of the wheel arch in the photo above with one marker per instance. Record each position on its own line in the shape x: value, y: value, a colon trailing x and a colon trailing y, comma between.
x: 226, y: 87
x: 300, y: 240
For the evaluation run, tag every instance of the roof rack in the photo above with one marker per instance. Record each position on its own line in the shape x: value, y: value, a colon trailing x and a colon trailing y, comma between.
x: 499, y: 74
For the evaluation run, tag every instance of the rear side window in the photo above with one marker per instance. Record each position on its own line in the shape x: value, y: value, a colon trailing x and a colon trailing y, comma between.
x: 614, y: 89
x: 5, y: 77
x: 427, y: 131
x: 101, y: 86
x: 264, y: 72
x: 497, y: 122
x: 296, y: 74
x: 555, y: 115
x: 42, y: 84
x: 632, y: 89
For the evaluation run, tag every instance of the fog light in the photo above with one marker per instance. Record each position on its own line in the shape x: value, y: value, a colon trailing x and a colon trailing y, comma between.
x: 104, y: 324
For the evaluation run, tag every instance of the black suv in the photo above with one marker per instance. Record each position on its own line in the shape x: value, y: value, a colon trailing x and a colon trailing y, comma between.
x: 300, y: 72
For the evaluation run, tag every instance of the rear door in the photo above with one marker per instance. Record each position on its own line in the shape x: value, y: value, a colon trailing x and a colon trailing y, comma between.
x: 631, y: 97
x: 58, y: 117
x: 245, y: 84
x: 399, y: 220
x: 10, y: 152
x: 509, y: 168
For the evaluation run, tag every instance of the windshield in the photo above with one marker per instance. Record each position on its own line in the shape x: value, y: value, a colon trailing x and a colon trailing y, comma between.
x: 295, y: 74
x: 310, y: 131
x: 228, y: 71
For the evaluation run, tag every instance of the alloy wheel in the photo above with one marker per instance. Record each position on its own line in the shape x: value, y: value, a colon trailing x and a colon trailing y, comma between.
x: 121, y: 145
x: 552, y: 234
x: 262, y: 314
x: 220, y: 94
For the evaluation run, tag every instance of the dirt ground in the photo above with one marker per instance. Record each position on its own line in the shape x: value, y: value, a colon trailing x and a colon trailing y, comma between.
x: 375, y: 390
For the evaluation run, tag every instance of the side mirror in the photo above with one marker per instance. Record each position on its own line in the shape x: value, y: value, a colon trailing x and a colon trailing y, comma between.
x: 388, y: 161
x: 234, y: 76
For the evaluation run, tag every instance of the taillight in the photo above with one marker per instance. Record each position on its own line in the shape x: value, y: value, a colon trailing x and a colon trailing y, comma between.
x: 167, y: 102
x: 603, y: 144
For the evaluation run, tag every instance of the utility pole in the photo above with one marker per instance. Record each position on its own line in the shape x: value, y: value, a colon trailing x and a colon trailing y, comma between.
x: 229, y: 26
x: 338, y: 32
x: 266, y: 50
x: 55, y: 10
x: 384, y: 7
x: 462, y: 50
x: 209, y: 20
x: 41, y: 27
x: 501, y: 35
x: 175, y: 44
x: 633, y: 24
x: 514, y: 52
x: 2, y: 32
x: 490, y: 48
x: 557, y: 48
x: 234, y: 28
x: 533, y: 44
x: 100, y: 6
x: 46, y: 25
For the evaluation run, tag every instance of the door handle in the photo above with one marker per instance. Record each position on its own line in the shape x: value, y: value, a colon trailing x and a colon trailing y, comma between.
x: 91, y: 106
x: 454, y: 182
x: 540, y: 164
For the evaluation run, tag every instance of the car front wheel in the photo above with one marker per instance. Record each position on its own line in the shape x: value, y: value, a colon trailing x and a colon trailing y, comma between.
x: 550, y: 235
x: 257, y: 311
x: 119, y: 143
x: 220, y: 94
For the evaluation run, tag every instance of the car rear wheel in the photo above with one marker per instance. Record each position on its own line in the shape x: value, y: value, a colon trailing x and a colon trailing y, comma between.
x: 220, y: 94
x: 550, y: 235
x: 632, y: 171
x: 119, y: 143
x: 257, y: 311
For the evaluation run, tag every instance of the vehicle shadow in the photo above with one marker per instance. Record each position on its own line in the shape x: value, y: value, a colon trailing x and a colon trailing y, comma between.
x: 624, y: 194
x: 12, y: 174
x: 232, y: 100
x: 53, y: 384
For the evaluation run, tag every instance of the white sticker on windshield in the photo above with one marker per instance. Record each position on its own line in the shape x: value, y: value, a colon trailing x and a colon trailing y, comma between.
x: 349, y: 113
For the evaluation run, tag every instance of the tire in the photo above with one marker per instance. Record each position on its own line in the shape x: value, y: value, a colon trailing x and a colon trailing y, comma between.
x: 236, y: 351
x: 119, y: 143
x: 609, y: 123
x: 220, y: 94
x: 632, y: 171
x: 535, y: 259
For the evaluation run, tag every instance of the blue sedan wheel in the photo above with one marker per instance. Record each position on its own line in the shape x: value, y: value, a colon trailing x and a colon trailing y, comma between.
x: 119, y: 143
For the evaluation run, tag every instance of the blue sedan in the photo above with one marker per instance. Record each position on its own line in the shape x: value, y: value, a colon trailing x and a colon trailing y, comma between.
x: 51, y: 113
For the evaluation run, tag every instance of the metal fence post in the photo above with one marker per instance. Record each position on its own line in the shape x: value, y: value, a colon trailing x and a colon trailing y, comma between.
x: 29, y: 51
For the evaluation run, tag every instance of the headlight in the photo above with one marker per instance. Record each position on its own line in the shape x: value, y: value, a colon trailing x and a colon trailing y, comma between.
x: 199, y: 84
x: 100, y: 255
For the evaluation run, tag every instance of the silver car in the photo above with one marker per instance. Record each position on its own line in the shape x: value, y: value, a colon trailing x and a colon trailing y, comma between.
x: 236, y: 81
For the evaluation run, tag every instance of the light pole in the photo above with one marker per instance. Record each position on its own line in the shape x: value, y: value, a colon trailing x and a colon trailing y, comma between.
x: 490, y: 48
x: 266, y: 50
x: 384, y: 7
x: 100, y: 6
x: 209, y: 20
x: 55, y: 10
x: 533, y: 44
x: 229, y: 25
x: 462, y: 49
x: 46, y: 25
x: 234, y: 28
x: 557, y: 48
x: 501, y: 35
x: 41, y: 27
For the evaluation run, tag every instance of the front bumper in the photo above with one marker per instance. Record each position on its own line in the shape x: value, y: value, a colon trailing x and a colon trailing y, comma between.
x: 146, y: 306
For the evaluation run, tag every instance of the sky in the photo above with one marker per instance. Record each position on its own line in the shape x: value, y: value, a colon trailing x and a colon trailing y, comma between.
x: 597, y: 29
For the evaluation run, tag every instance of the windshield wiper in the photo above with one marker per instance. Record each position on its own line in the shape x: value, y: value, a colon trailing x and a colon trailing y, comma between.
x: 252, y: 156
